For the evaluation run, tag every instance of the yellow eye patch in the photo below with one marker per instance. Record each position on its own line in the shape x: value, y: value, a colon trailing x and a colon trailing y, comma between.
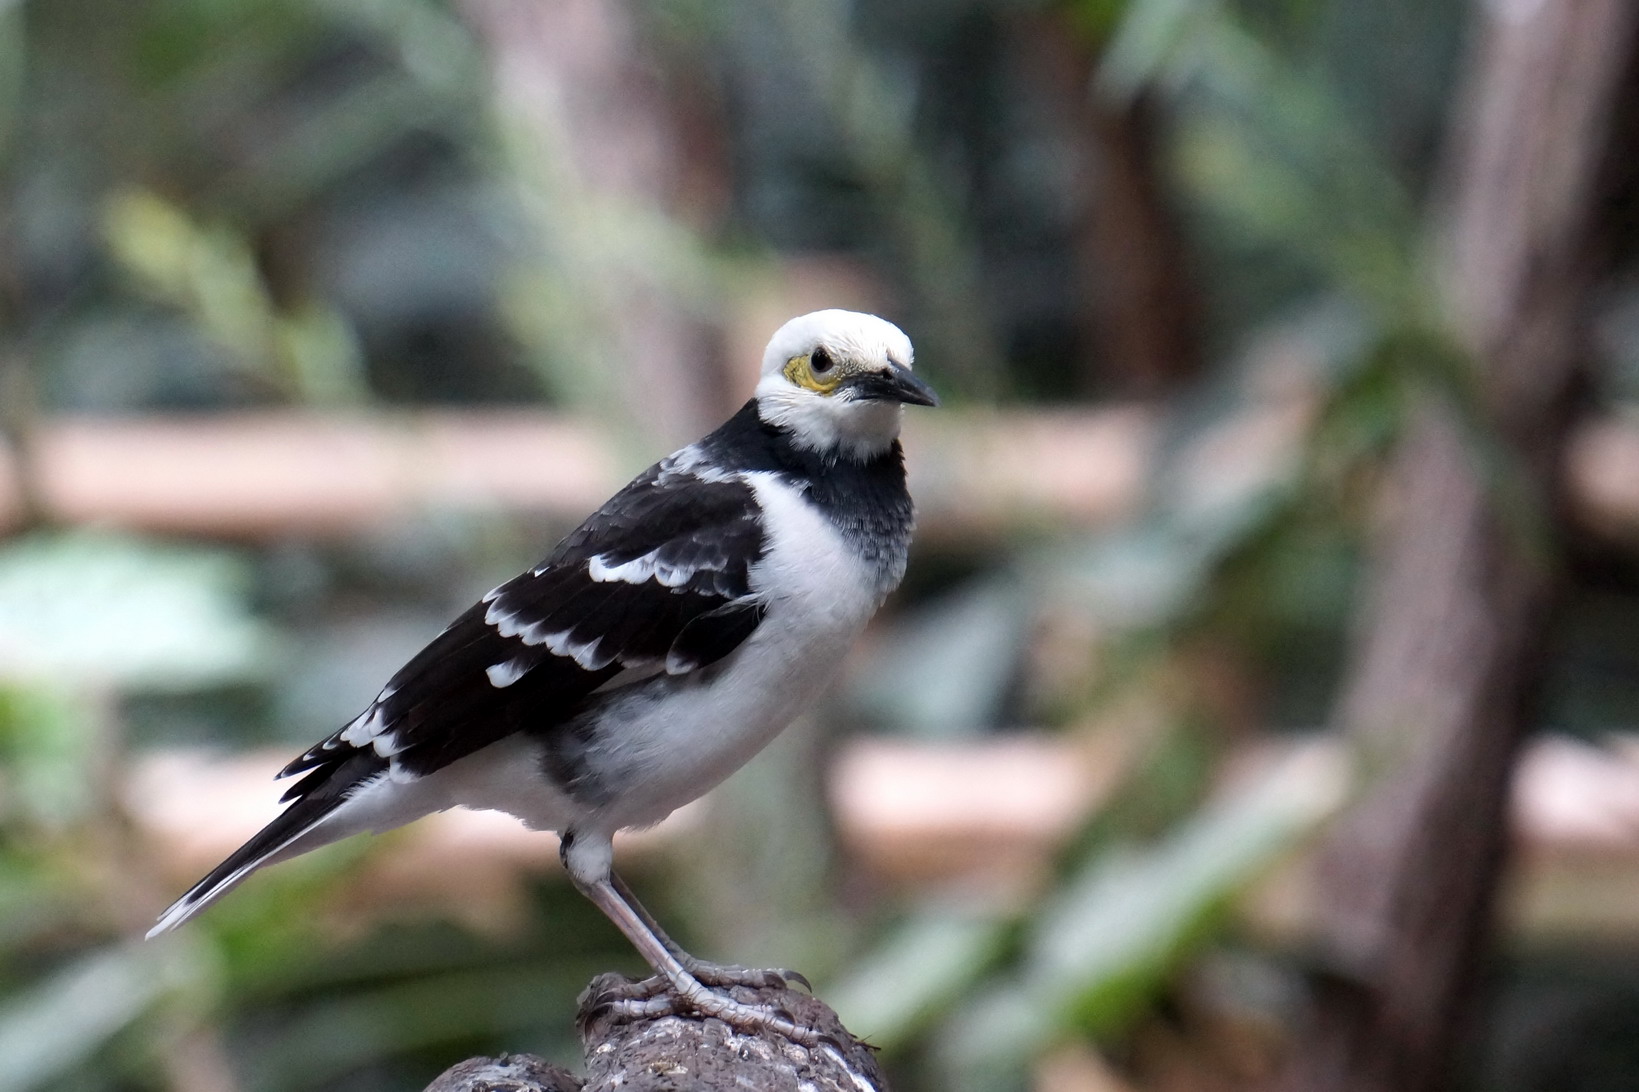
x: 817, y: 371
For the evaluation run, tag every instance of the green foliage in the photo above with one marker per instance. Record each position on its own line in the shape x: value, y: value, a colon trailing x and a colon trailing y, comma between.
x: 917, y: 973
x: 224, y: 205
x: 112, y: 613
x: 47, y: 743
x: 64, y: 1021
x: 1104, y: 945
x: 210, y: 274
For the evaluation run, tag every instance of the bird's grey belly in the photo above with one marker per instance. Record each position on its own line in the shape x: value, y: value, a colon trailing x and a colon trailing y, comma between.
x: 651, y: 748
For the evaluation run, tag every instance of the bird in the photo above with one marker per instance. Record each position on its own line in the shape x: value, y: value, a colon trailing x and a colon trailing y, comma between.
x: 656, y: 649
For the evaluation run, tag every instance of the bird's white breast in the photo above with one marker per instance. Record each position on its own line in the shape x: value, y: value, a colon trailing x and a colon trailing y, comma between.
x: 663, y: 741
x: 667, y: 741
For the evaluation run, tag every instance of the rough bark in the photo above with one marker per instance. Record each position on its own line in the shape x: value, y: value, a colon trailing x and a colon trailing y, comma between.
x: 508, y: 1073
x: 687, y: 1053
x: 1462, y: 591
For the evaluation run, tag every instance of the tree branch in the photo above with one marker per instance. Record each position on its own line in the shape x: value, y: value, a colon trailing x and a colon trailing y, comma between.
x: 687, y: 1053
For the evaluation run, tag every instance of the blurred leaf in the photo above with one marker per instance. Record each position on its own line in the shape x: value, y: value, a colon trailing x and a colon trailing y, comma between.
x: 1131, y: 580
x: 916, y: 972
x: 1103, y: 946
x: 332, y: 138
x: 945, y: 670
x: 433, y: 44
x: 96, y: 610
x: 66, y: 1019
x: 45, y: 764
x: 1314, y: 394
x: 323, y: 355
x: 1270, y: 148
x: 209, y: 271
x: 1151, y: 43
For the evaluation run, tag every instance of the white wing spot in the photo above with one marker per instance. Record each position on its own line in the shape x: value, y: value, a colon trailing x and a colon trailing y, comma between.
x: 691, y: 461
x: 559, y: 643
x: 396, y: 774
x: 506, y: 623
x: 642, y: 569
x: 386, y: 745
x: 370, y: 729
x: 365, y: 727
x: 504, y: 674
x: 584, y: 653
x: 638, y: 571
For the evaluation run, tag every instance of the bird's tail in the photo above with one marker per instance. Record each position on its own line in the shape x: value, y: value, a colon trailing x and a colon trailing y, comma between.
x: 309, y: 822
x: 298, y: 829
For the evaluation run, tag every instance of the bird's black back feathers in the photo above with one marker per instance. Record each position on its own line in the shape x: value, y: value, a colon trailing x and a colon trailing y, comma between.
x: 529, y: 655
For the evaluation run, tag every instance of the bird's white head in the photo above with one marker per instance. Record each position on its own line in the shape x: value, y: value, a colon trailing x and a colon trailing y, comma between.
x: 836, y: 380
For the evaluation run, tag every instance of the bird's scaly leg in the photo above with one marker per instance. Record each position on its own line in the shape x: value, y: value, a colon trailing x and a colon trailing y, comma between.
x: 719, y: 975
x: 684, y: 986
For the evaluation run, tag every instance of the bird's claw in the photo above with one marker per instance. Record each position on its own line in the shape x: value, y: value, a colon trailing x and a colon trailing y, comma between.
x: 725, y: 975
x: 655, y: 997
x: 754, y: 1018
x: 623, y: 991
x: 631, y: 1009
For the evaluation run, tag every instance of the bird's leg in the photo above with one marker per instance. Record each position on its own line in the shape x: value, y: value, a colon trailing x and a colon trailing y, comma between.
x: 720, y: 975
x: 685, y: 986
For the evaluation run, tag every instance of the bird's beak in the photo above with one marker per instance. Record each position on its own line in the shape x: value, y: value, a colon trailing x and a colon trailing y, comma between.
x: 897, y: 384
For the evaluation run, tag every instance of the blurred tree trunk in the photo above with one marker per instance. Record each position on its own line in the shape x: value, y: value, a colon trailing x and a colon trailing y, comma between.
x: 1143, y: 307
x: 616, y: 181
x: 1464, y: 584
x: 1145, y: 304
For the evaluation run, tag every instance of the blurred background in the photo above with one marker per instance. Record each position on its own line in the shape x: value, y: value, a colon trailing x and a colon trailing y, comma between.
x: 1260, y: 709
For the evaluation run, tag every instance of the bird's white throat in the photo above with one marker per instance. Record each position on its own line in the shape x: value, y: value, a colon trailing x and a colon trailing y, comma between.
x: 852, y: 429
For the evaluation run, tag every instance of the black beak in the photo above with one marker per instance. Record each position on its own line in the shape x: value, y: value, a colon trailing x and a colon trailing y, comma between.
x: 897, y: 384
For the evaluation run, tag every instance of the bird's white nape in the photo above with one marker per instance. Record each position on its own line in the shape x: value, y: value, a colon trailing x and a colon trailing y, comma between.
x: 833, y: 424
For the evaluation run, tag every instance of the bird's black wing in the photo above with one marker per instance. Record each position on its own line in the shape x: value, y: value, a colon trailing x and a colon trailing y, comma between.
x: 657, y: 579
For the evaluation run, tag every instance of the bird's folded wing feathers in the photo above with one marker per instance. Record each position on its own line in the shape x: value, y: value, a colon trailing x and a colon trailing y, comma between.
x: 658, y: 579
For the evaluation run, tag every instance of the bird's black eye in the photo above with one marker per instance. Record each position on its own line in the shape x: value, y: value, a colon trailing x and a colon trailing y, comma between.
x: 820, y: 361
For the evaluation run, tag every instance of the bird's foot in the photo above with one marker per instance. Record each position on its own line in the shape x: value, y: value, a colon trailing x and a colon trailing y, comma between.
x: 656, y: 997
x: 752, y: 1018
x: 721, y: 976
x: 614, y: 990
x: 717, y: 976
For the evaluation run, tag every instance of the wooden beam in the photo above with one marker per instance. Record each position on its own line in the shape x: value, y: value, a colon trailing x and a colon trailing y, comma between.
x: 255, y: 475
x: 1575, y: 818
x: 252, y: 475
